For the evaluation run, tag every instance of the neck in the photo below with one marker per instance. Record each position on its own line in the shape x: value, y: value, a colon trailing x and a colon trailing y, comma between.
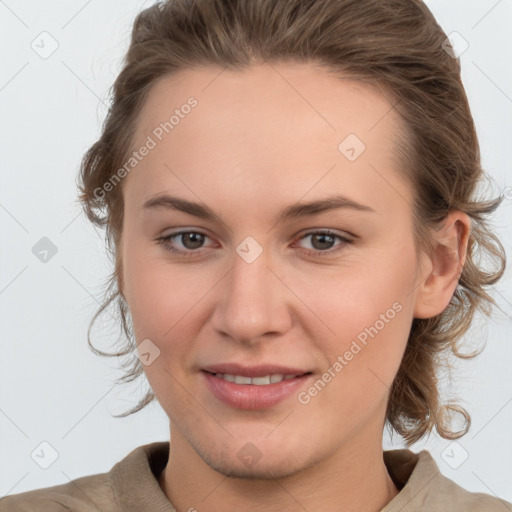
x: 354, y: 478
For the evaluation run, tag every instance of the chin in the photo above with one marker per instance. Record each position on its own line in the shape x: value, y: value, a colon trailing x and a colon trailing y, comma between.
x: 246, y: 461
x: 253, y: 452
x: 260, y: 470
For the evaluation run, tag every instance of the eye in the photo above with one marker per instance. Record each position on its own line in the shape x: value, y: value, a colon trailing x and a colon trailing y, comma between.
x: 190, y: 240
x: 322, y: 242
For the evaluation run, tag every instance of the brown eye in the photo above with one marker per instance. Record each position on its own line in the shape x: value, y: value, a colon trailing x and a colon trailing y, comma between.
x: 189, y: 242
x: 322, y: 242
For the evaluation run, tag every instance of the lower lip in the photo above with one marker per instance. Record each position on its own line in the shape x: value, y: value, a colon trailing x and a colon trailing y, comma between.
x: 251, y: 396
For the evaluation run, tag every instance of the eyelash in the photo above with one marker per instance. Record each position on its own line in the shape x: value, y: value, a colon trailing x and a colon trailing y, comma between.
x: 165, y: 241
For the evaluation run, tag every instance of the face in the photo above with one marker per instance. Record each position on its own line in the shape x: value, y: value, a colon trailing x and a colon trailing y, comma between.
x: 324, y: 296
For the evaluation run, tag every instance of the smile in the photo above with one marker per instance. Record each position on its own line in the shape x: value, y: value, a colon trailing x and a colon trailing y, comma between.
x: 256, y: 392
x: 257, y: 381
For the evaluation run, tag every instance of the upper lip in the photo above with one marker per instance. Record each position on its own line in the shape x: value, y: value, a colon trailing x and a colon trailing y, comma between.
x: 253, y: 371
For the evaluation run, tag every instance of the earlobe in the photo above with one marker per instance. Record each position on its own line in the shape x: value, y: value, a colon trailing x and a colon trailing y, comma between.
x: 447, y: 260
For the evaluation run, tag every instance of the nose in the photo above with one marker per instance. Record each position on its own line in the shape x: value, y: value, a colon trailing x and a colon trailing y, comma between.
x: 253, y: 302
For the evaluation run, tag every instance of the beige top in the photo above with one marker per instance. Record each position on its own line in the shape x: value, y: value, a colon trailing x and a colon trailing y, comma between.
x: 132, y: 485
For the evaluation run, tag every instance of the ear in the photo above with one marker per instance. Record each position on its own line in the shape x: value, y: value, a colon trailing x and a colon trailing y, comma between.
x: 440, y: 275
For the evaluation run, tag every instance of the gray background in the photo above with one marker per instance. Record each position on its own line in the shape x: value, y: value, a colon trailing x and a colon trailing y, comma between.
x: 53, y: 389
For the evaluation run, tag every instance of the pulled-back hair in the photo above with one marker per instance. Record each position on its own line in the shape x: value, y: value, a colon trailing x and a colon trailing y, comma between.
x: 395, y: 46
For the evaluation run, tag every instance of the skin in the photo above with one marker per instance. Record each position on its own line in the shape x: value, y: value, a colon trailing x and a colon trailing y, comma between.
x: 252, y: 146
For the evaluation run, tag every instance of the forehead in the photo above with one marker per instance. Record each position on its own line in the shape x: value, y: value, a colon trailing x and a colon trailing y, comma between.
x: 279, y: 127
x: 281, y: 94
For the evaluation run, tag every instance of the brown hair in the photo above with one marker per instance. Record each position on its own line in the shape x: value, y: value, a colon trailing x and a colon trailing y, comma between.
x: 395, y: 45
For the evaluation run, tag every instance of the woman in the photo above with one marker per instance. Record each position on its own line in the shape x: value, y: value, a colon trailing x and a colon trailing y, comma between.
x: 289, y: 192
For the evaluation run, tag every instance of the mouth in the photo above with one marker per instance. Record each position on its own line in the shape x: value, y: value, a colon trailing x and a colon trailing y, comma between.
x: 256, y: 387
x: 264, y: 380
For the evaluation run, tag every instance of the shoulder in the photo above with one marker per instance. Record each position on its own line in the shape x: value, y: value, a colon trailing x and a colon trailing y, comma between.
x: 130, y: 484
x: 87, y: 493
x: 425, y: 488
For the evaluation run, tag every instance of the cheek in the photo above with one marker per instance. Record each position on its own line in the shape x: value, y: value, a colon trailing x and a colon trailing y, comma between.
x: 368, y: 310
x: 369, y: 343
x: 164, y: 300
x: 158, y: 299
x: 349, y: 300
x: 362, y: 362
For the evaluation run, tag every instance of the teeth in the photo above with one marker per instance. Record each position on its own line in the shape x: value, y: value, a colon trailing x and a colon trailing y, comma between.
x: 257, y: 381
x: 261, y: 381
x: 242, y: 380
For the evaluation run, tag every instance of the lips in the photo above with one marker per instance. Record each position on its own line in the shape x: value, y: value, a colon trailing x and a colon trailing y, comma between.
x: 255, y: 381
x: 253, y: 387
x: 261, y: 370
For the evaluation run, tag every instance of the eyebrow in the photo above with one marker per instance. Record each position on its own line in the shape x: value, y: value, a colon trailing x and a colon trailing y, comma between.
x: 294, y: 211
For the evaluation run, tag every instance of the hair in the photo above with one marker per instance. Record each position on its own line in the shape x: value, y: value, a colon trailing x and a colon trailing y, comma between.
x: 395, y: 46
